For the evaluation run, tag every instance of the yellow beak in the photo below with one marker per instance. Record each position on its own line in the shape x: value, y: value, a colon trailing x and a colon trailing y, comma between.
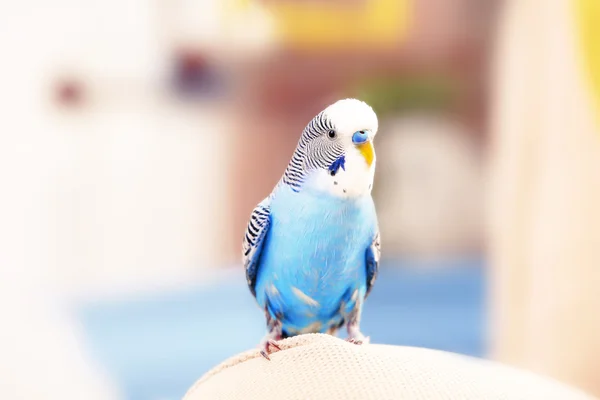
x: 367, y: 151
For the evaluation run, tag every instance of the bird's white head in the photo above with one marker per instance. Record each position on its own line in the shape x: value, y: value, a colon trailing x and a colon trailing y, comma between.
x: 335, y: 154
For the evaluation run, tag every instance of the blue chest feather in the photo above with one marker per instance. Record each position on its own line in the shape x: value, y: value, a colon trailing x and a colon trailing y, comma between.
x: 312, y: 268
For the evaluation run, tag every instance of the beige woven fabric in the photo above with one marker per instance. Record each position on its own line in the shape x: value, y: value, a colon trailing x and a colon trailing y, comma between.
x: 319, y: 367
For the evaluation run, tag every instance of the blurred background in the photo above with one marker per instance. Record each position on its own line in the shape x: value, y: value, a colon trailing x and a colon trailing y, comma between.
x: 137, y: 136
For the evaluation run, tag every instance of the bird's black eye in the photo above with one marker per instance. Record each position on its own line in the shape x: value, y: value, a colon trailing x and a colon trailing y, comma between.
x: 331, y: 134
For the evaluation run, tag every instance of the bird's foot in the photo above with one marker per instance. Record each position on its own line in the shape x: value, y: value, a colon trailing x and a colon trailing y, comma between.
x: 364, y: 340
x: 356, y: 337
x: 265, y: 347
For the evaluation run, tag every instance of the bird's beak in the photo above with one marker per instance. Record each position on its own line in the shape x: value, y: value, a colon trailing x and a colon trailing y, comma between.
x: 363, y: 140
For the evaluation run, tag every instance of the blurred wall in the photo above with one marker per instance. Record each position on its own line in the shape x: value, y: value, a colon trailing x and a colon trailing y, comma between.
x: 125, y: 180
x: 545, y: 241
x: 429, y: 188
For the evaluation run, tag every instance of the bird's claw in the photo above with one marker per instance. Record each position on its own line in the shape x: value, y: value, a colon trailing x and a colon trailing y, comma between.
x: 354, y: 341
x: 358, y: 341
x: 266, y: 348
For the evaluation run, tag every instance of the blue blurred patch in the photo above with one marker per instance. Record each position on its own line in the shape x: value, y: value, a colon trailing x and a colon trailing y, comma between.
x: 156, y: 347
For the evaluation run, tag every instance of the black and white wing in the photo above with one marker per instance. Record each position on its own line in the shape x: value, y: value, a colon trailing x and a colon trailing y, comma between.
x: 372, y: 258
x: 256, y: 232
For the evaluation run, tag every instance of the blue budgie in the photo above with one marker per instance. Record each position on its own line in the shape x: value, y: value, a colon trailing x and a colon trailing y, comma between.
x: 311, y: 249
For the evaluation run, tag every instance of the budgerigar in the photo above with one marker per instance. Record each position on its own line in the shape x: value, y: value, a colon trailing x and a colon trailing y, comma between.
x: 311, y: 249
